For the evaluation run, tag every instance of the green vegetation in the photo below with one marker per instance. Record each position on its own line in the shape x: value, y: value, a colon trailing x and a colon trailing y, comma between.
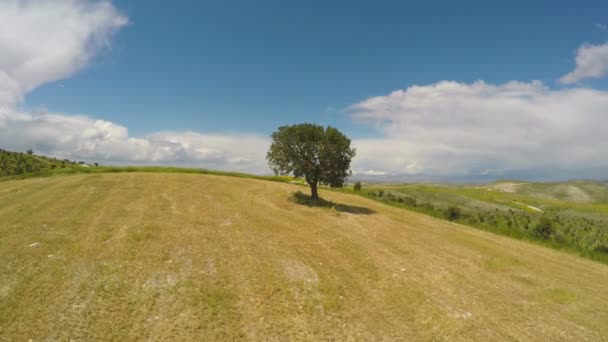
x: 321, y: 155
x: 164, y: 256
x: 16, y: 163
x: 536, y: 212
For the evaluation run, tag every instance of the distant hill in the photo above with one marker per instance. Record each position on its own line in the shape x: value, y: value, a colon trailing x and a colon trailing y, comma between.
x: 571, y: 214
x: 581, y: 191
x: 18, y: 163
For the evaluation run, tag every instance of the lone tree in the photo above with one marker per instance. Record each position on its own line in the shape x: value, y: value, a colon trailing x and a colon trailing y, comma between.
x: 319, y: 154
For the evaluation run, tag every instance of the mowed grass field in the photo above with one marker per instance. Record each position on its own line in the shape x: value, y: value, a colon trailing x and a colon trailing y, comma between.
x: 198, y: 257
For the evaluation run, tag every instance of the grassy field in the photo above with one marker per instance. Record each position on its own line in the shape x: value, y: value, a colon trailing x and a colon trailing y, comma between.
x: 190, y: 257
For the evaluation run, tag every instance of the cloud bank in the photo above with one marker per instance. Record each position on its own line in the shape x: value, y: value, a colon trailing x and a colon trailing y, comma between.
x: 452, y: 128
x: 81, y: 137
x: 45, y: 41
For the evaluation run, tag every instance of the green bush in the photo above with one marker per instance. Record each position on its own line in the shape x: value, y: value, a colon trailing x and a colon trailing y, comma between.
x: 409, y: 201
x: 544, y: 228
x: 357, y: 186
x: 601, y: 248
x: 453, y: 213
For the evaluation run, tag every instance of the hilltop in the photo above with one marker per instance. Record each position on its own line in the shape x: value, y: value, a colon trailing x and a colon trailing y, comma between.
x: 182, y: 256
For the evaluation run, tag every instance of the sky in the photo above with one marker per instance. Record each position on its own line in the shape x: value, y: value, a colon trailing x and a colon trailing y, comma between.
x: 425, y: 89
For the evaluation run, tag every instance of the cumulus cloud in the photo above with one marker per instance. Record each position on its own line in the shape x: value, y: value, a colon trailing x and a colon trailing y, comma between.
x: 451, y: 128
x: 45, y: 41
x: 81, y: 137
x: 591, y: 62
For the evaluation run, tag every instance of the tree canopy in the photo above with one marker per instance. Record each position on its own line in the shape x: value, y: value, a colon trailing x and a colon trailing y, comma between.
x: 316, y: 153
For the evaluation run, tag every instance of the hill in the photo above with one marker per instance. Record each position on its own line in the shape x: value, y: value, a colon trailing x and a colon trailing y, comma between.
x: 19, y: 164
x: 186, y: 256
x: 581, y: 191
x: 564, y: 215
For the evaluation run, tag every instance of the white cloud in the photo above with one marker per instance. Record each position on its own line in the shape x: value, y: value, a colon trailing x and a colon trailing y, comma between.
x: 451, y: 128
x: 601, y: 26
x: 591, y: 62
x: 81, y: 137
x: 45, y: 41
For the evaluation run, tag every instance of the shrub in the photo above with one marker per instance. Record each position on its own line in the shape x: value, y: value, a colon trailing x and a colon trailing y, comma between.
x: 357, y: 186
x: 409, y: 201
x: 453, y: 213
x: 544, y: 228
x: 601, y: 248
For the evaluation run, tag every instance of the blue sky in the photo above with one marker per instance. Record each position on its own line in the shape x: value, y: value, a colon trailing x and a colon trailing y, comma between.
x: 232, y: 68
x: 250, y: 66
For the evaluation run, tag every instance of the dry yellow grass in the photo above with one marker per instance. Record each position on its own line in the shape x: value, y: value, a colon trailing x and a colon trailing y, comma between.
x: 193, y: 257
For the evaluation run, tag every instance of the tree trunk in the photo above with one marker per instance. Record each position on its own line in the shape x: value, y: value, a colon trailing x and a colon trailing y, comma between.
x: 313, y: 191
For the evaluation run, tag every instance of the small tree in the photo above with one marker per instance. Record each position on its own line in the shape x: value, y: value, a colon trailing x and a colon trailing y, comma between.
x: 357, y: 186
x: 30, y: 151
x: 319, y: 154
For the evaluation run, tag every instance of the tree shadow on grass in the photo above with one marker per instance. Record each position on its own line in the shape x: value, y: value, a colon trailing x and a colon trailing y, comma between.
x: 300, y: 198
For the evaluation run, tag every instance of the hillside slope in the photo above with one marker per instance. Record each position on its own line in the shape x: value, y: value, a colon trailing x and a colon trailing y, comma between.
x: 19, y: 163
x: 537, y: 212
x: 165, y: 256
